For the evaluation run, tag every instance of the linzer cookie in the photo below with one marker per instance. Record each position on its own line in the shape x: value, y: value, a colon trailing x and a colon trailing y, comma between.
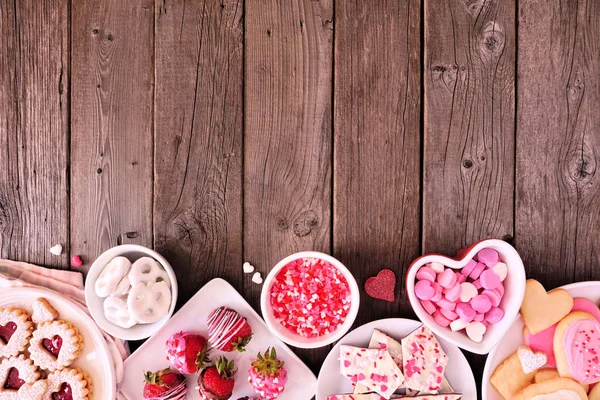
x: 43, y: 311
x: 55, y: 345
x: 424, y: 361
x: 14, y: 373
x: 373, y: 368
x: 15, y: 331
x: 380, y: 340
x: 74, y: 381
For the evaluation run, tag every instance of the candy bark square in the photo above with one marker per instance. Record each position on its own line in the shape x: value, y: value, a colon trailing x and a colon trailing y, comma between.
x: 380, y: 340
x: 424, y: 361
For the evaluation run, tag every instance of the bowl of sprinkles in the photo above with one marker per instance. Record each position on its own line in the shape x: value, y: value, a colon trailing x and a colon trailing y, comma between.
x: 309, y: 299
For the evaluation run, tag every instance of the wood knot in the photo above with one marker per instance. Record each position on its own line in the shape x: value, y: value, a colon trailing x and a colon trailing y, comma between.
x: 467, y: 163
x: 282, y: 224
x: 582, y: 164
x: 473, y: 6
x: 445, y: 74
x: 492, y: 38
x: 305, y: 223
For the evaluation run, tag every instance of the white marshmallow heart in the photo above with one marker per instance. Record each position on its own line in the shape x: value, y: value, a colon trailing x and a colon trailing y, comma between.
x: 475, y: 331
x: 149, y: 302
x: 467, y: 292
x: 116, y: 312
x: 147, y: 270
x: 501, y: 270
x: 437, y: 267
x: 248, y: 268
x: 531, y: 361
x: 256, y: 278
x: 56, y: 249
x: 111, y: 275
x: 458, y: 324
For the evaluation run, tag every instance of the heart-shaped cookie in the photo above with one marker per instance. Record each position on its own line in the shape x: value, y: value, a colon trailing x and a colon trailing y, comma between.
x: 43, y: 311
x: 55, y: 345
x: 514, y: 286
x: 69, y: 383
x: 15, y: 331
x: 32, y: 391
x: 541, y: 310
x: 531, y: 361
x: 14, y: 373
x: 382, y: 286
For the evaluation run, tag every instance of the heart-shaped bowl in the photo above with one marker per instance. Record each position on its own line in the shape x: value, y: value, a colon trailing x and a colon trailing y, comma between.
x: 514, y: 286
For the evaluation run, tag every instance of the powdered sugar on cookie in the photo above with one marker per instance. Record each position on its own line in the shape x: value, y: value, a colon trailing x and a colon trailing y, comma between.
x: 15, y: 331
x: 43, y: 311
x: 55, y: 345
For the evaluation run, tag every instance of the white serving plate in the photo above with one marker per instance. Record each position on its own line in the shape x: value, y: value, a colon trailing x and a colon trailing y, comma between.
x: 95, y: 359
x: 458, y: 371
x: 192, y: 318
x: 514, y: 337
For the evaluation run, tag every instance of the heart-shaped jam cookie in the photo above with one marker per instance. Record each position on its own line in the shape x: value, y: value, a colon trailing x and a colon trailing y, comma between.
x: 577, y: 347
x: 16, y: 372
x: 55, y: 345
x: 69, y: 384
x: 15, y: 331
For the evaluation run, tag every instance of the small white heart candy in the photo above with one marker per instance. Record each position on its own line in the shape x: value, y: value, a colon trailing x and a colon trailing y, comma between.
x: 501, y: 270
x: 437, y: 267
x: 56, y: 250
x: 475, y: 331
x: 248, y: 268
x: 467, y: 292
x: 531, y: 361
x: 256, y: 278
x: 458, y: 324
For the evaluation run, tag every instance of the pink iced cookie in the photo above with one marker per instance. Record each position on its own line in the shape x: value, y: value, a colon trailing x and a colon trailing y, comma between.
x: 488, y: 256
x: 428, y: 306
x: 465, y: 312
x: 467, y: 269
x: 477, y: 271
x: 446, y: 279
x: 489, y: 279
x: 481, y: 303
x: 494, y: 316
x: 542, y: 341
x: 424, y: 290
x: 426, y: 273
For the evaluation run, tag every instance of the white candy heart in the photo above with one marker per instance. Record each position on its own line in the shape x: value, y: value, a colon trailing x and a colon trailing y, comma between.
x: 147, y: 270
x: 437, y: 267
x: 475, y: 331
x: 116, y: 312
x: 467, y: 292
x: 256, y: 278
x: 458, y: 324
x: 501, y: 270
x: 531, y: 361
x: 248, y: 268
x: 149, y: 302
x: 111, y: 276
x: 56, y: 250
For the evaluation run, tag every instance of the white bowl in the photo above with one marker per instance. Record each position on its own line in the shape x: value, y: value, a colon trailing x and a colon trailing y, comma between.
x: 95, y: 303
x: 292, y: 338
x: 514, y: 286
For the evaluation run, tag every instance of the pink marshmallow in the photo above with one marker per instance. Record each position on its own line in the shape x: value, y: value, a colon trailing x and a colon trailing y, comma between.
x: 447, y: 304
x: 467, y: 269
x: 440, y: 319
x: 489, y: 279
x: 426, y: 273
x: 428, y: 306
x: 494, y: 316
x: 424, y: 290
x: 465, y: 312
x: 481, y: 303
x: 446, y: 279
x: 449, y: 314
x: 438, y: 292
x: 453, y: 294
x: 494, y: 297
x: 477, y: 271
x: 488, y: 256
x: 460, y: 278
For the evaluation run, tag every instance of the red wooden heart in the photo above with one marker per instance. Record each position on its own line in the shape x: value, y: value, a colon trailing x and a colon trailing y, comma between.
x: 7, y: 331
x: 53, y: 346
x: 64, y: 393
x: 13, y: 382
x: 382, y: 286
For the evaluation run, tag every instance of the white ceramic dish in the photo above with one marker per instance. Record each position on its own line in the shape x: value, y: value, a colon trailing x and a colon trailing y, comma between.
x: 95, y: 358
x: 192, y: 317
x: 95, y: 303
x: 514, y: 337
x: 458, y: 371
x: 292, y: 338
x: 511, y: 302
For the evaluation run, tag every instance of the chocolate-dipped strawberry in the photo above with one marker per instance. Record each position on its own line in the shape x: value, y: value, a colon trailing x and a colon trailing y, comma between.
x: 216, y: 382
x: 228, y: 330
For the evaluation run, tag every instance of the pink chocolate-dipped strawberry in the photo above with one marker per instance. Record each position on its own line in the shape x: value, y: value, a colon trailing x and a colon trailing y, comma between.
x: 227, y: 330
x: 187, y: 352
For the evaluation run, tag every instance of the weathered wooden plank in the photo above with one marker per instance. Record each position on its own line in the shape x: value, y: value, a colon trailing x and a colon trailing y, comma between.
x: 111, y: 125
x: 287, y: 179
x: 468, y: 162
x: 34, y: 84
x: 377, y: 144
x: 198, y: 140
x: 558, y: 141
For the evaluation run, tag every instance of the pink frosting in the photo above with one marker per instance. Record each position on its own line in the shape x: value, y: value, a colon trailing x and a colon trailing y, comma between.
x: 582, y: 348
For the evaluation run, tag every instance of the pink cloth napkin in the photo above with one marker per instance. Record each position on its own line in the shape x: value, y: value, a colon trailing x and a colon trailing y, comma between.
x: 66, y: 283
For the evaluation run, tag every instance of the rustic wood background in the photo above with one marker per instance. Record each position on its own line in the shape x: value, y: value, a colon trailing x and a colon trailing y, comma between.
x: 220, y: 131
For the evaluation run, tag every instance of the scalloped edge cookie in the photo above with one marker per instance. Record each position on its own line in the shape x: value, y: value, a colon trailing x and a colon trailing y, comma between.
x: 72, y: 345
x: 27, y: 372
x: 79, y: 380
x: 20, y: 338
x: 549, y: 387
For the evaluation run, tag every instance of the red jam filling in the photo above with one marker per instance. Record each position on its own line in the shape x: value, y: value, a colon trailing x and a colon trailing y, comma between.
x: 13, y: 381
x: 53, y: 345
x: 64, y: 393
x: 7, y: 331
